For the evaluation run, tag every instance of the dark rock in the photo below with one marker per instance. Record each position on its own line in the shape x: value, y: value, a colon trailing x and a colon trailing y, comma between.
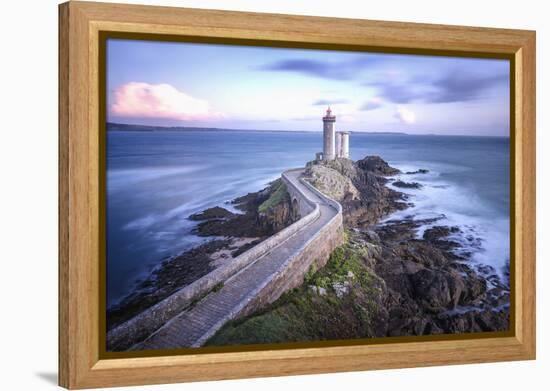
x: 474, y: 321
x: 485, y: 270
x: 492, y: 320
x: 497, y: 297
x: 393, y: 271
x: 475, y: 289
x: 252, y: 223
x: 251, y: 201
x: 239, y: 226
x: 399, y: 230
x: 438, y: 232
x: 421, y: 253
x: 435, y: 234
x: 419, y: 171
x: 368, y: 199
x: 435, y: 290
x: 433, y: 329
x: 400, y: 321
x: 458, y: 323
x: 371, y: 236
x: 507, y: 269
x: 494, y: 279
x: 456, y: 288
x: 211, y: 213
x: 279, y: 213
x: 377, y: 166
x: 407, y: 185
x: 448, y: 246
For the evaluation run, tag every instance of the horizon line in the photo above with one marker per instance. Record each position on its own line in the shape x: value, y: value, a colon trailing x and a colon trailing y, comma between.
x: 183, y: 128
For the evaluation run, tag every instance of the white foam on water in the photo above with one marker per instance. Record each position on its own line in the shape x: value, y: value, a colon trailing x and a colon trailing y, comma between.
x: 142, y: 223
x: 484, y: 234
x: 231, y: 207
x: 118, y: 179
x: 173, y: 230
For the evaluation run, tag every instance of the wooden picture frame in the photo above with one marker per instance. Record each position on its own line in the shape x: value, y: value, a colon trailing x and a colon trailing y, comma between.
x: 81, y: 364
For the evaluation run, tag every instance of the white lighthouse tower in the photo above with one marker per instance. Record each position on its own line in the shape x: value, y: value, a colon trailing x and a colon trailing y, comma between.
x: 335, y: 144
x: 329, y: 152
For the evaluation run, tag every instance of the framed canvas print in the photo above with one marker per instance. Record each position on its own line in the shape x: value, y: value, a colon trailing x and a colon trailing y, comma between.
x: 247, y: 195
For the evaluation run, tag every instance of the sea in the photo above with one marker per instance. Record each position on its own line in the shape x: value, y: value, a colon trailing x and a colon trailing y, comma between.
x: 156, y: 179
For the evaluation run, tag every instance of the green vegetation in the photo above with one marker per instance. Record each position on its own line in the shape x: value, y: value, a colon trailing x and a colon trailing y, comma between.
x: 318, y: 309
x: 342, y: 261
x: 277, y: 196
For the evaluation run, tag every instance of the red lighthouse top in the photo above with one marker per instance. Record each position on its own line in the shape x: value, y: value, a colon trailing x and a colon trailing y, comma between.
x: 329, y: 116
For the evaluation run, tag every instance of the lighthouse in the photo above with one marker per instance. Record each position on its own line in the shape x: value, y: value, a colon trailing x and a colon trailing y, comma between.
x: 329, y: 151
x: 335, y: 144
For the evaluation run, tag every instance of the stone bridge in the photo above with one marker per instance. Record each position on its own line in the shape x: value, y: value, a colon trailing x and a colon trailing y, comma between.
x: 255, y: 278
x: 300, y: 203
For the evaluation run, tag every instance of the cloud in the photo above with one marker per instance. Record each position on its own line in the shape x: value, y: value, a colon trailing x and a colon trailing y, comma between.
x: 460, y: 87
x: 398, y: 92
x: 307, y: 118
x: 160, y: 101
x: 325, y: 102
x: 456, y: 86
x: 372, y: 104
x: 343, y: 70
x: 405, y: 115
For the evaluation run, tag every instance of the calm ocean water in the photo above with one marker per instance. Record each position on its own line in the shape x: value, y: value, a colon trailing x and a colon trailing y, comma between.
x: 155, y: 180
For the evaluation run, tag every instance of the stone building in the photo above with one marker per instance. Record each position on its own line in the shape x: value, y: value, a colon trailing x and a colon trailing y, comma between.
x: 342, y: 145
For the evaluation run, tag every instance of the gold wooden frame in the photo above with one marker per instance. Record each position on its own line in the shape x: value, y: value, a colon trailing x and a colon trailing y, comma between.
x: 81, y: 364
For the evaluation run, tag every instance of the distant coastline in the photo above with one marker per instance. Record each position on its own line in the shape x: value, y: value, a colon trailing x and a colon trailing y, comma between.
x: 119, y: 127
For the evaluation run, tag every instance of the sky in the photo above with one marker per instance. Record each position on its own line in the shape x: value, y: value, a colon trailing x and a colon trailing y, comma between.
x: 259, y: 88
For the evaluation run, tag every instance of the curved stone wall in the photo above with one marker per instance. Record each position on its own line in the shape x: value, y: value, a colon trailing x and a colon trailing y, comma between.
x: 305, y: 205
x: 145, y: 323
x: 314, y: 253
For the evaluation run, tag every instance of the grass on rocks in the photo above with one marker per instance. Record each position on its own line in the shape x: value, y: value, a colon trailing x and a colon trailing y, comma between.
x: 336, y: 302
x: 276, y: 197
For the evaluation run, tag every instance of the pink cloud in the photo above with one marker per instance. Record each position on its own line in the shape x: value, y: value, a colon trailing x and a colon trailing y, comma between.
x: 162, y: 101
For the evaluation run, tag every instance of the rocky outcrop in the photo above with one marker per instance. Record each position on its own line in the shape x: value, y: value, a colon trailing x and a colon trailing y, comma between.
x: 211, y: 213
x: 377, y: 166
x: 419, y: 171
x: 429, y: 287
x: 384, y: 281
x: 264, y: 213
x: 277, y: 211
x: 376, y: 288
x: 439, y: 232
x: 332, y: 183
x: 359, y: 187
x: 407, y: 185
